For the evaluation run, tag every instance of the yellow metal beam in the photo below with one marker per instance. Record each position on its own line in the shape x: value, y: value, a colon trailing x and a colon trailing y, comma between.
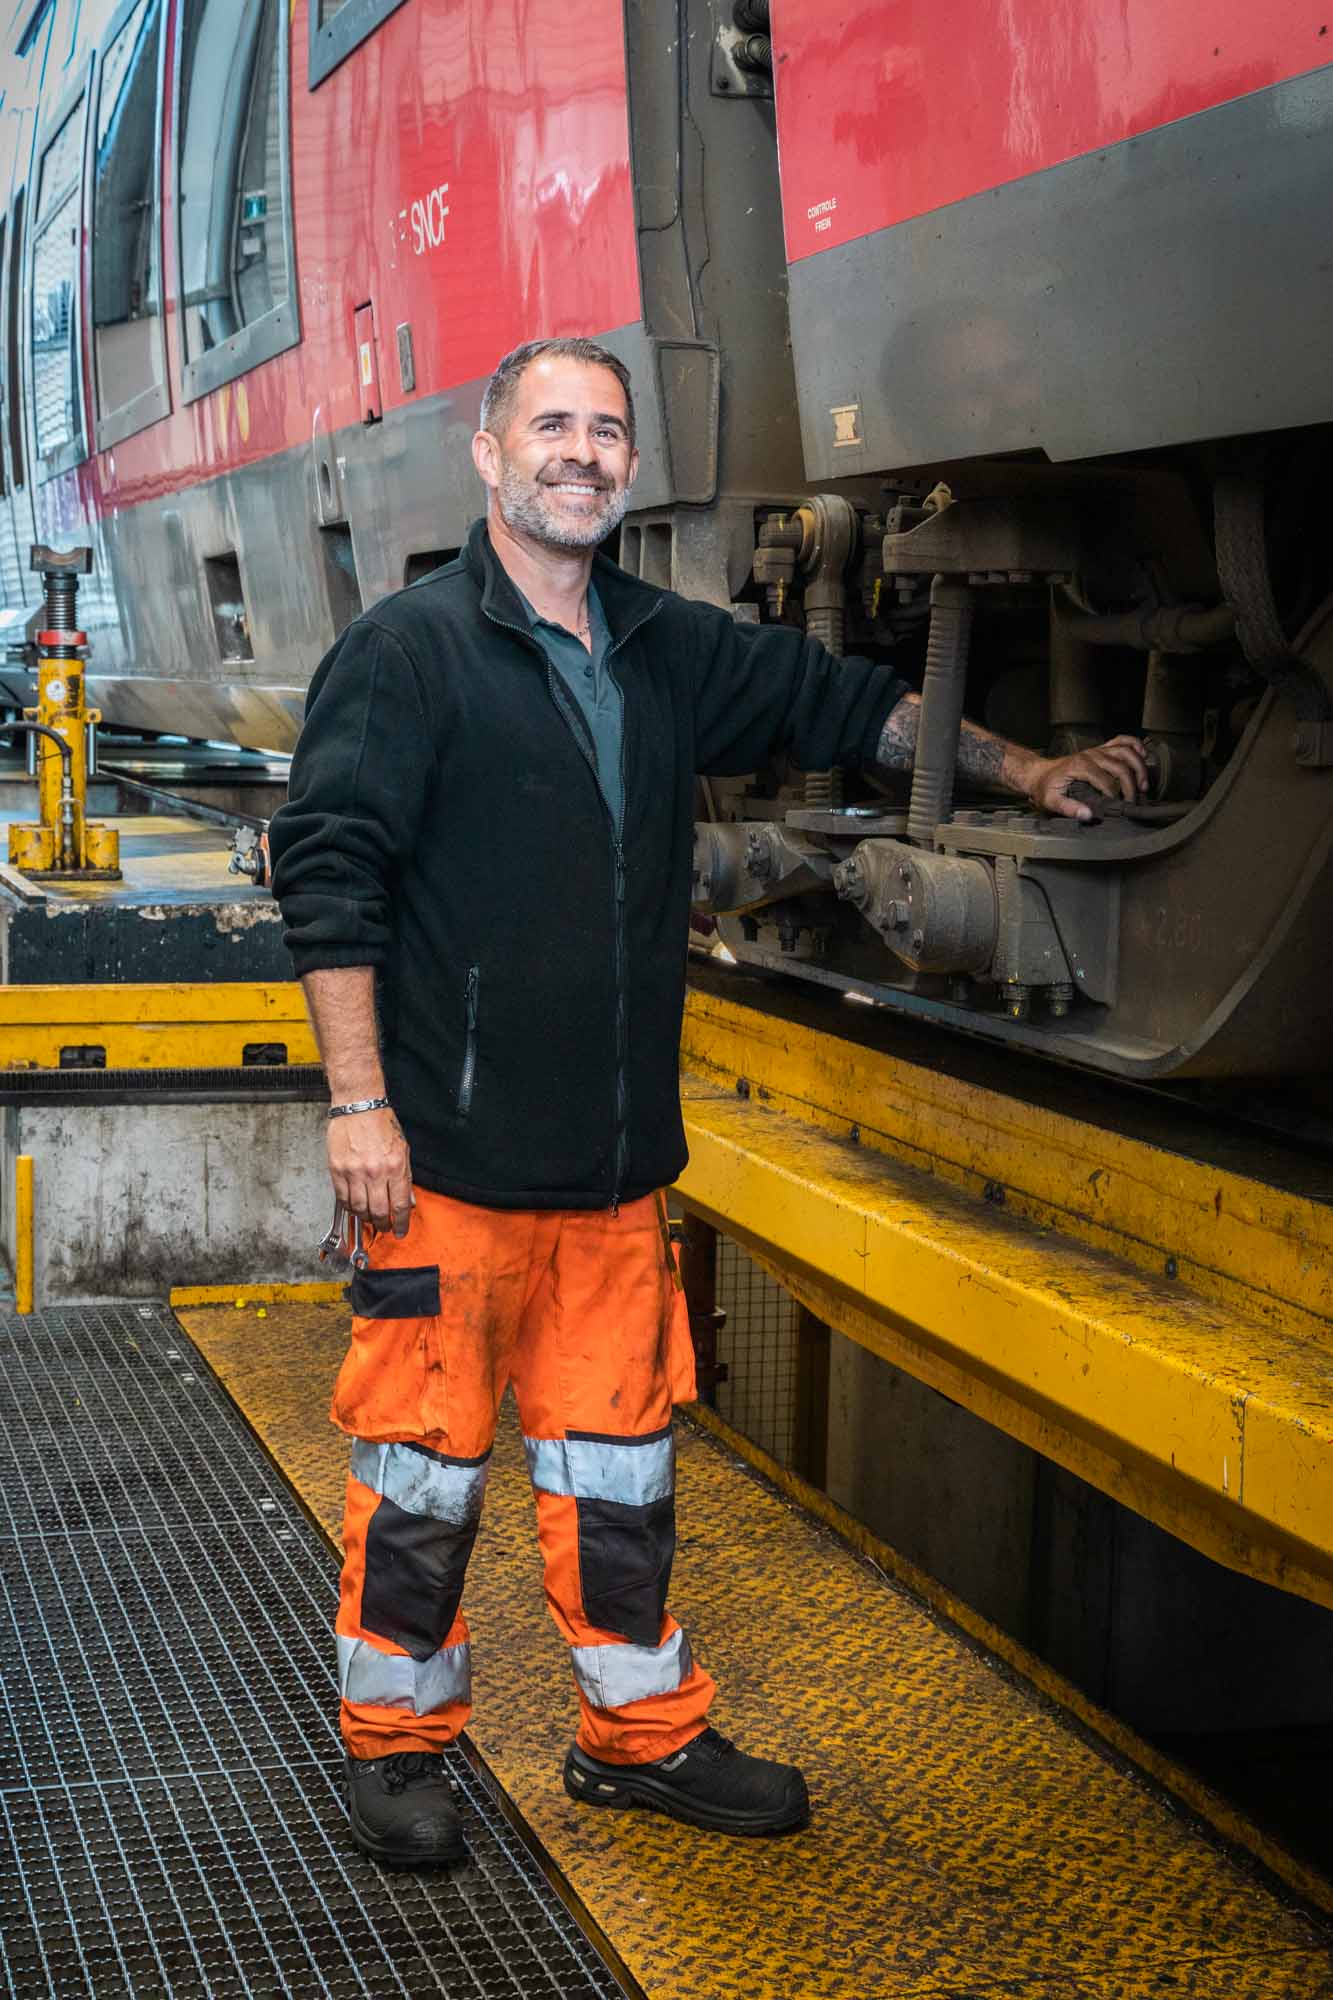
x: 1191, y: 1402
x: 189, y: 1026
x: 1229, y: 1235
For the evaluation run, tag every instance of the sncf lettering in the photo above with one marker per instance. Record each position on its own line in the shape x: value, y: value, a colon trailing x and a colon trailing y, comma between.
x: 428, y: 217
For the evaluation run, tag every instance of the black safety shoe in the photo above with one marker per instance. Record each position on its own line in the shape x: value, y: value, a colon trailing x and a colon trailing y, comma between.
x: 709, y: 1783
x: 402, y: 1810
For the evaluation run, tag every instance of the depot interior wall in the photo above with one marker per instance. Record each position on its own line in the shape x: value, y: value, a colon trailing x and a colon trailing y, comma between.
x: 131, y: 1200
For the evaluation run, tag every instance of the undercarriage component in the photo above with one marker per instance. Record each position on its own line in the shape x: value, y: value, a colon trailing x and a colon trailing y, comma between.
x: 1153, y: 628
x: 740, y: 867
x: 1009, y: 541
x: 1172, y: 728
x: 1242, y: 565
x: 942, y: 692
x: 1188, y: 940
x: 936, y: 911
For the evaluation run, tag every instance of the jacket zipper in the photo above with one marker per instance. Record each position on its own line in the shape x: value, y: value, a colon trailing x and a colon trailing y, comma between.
x: 468, y: 1075
x: 617, y: 884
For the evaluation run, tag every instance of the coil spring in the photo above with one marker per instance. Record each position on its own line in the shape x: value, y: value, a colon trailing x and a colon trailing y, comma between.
x: 823, y: 790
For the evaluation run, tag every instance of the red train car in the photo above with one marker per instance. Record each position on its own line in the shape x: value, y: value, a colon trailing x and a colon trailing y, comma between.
x: 1031, y: 302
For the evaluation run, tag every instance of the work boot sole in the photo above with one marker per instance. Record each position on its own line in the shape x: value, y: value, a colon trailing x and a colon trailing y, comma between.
x: 621, y: 1786
x: 448, y: 1851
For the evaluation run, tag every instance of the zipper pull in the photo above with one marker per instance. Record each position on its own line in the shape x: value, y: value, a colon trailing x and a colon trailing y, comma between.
x: 473, y: 976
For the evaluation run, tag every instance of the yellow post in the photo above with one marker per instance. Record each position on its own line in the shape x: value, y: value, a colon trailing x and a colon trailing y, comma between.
x: 23, y: 1233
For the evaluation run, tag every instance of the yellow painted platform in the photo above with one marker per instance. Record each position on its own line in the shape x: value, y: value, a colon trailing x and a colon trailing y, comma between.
x: 1161, y: 1326
x: 968, y: 1843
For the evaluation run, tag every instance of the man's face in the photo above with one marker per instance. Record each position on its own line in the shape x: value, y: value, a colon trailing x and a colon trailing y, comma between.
x: 561, y: 473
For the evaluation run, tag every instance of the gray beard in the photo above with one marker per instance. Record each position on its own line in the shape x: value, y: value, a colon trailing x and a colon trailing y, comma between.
x: 527, y: 511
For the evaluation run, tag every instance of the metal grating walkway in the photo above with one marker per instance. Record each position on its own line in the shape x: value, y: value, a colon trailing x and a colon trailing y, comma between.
x: 171, y: 1821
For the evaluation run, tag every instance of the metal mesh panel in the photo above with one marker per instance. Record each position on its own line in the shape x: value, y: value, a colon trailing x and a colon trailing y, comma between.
x: 171, y: 1820
x: 758, y: 1345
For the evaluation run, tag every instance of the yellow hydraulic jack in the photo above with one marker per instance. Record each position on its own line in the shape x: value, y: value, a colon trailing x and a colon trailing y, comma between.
x: 64, y: 845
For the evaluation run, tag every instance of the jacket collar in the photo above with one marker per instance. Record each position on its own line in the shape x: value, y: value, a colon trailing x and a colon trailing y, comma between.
x: 626, y: 602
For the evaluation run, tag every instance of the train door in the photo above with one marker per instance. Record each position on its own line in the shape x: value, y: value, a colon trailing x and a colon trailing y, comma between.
x: 18, y: 526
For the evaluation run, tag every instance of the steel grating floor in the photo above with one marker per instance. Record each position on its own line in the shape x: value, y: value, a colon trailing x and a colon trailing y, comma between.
x: 171, y: 1821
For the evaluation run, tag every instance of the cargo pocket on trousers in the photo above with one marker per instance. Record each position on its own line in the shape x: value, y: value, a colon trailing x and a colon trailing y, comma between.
x: 391, y: 1383
x: 625, y: 1557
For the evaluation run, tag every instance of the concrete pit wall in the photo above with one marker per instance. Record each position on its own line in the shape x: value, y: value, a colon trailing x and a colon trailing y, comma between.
x: 132, y: 1200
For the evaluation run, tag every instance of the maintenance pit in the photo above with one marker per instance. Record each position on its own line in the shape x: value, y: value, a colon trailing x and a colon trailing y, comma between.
x: 160, y: 1070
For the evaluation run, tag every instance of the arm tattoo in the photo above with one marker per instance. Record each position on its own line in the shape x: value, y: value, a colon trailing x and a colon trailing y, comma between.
x: 985, y: 759
x: 896, y: 750
x: 981, y: 755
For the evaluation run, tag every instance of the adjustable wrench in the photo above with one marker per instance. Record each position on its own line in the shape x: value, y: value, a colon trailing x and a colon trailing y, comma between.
x: 333, y: 1248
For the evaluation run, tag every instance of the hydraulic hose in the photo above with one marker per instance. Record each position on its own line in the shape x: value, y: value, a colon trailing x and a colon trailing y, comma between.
x: 66, y: 780
x: 1160, y: 628
x: 942, y: 690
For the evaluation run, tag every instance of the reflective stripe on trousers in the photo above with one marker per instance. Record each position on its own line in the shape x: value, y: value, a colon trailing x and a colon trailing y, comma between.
x: 393, y: 1680
x: 631, y: 1471
x: 421, y: 1481
x: 614, y: 1676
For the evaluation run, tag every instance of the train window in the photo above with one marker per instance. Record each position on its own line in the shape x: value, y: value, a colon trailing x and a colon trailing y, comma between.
x: 128, y: 362
x: 56, y: 402
x: 234, y: 181
x: 13, y: 361
x: 4, y: 358
x: 338, y: 26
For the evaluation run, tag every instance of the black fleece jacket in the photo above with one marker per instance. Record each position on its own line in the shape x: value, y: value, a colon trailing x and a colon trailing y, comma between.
x: 445, y: 826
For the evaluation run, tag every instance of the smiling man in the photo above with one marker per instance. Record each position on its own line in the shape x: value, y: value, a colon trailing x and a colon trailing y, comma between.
x: 484, y: 866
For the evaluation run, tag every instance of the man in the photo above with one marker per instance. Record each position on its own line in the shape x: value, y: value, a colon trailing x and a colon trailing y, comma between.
x: 484, y: 866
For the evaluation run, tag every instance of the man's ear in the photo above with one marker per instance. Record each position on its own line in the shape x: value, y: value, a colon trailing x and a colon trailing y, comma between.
x: 486, y: 458
x: 633, y: 472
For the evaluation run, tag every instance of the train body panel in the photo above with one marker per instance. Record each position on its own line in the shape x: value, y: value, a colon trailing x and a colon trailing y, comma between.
x: 1069, y: 231
x: 887, y: 112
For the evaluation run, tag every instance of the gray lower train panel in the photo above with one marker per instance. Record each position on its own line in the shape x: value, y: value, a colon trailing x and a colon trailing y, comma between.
x: 170, y: 1813
x: 1170, y: 288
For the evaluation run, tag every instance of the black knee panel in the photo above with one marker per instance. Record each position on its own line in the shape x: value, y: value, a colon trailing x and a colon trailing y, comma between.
x: 625, y: 1557
x: 415, y: 1568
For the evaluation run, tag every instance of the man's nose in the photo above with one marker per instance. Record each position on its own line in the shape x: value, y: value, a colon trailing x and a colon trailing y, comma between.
x: 580, y: 449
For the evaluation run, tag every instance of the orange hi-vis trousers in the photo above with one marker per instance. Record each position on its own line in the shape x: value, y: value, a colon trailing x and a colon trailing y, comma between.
x: 581, y: 1311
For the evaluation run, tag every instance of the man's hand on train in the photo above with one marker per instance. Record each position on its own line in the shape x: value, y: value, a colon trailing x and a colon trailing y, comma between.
x: 1117, y: 769
x: 371, y: 1169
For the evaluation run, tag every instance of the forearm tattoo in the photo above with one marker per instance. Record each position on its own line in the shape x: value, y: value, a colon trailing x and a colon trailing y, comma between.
x: 981, y: 756
x: 897, y: 739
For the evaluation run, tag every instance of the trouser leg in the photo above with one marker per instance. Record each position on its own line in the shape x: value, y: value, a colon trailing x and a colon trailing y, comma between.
x: 434, y: 1324
x: 404, y: 1652
x: 597, y: 1350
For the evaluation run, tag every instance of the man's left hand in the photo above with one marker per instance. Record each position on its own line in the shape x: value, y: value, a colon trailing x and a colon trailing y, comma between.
x: 1118, y: 769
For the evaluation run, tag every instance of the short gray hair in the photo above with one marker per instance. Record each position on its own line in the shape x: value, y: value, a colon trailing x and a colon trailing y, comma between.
x: 497, y: 405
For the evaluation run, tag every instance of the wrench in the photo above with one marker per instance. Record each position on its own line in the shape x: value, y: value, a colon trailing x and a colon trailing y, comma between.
x: 333, y: 1247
